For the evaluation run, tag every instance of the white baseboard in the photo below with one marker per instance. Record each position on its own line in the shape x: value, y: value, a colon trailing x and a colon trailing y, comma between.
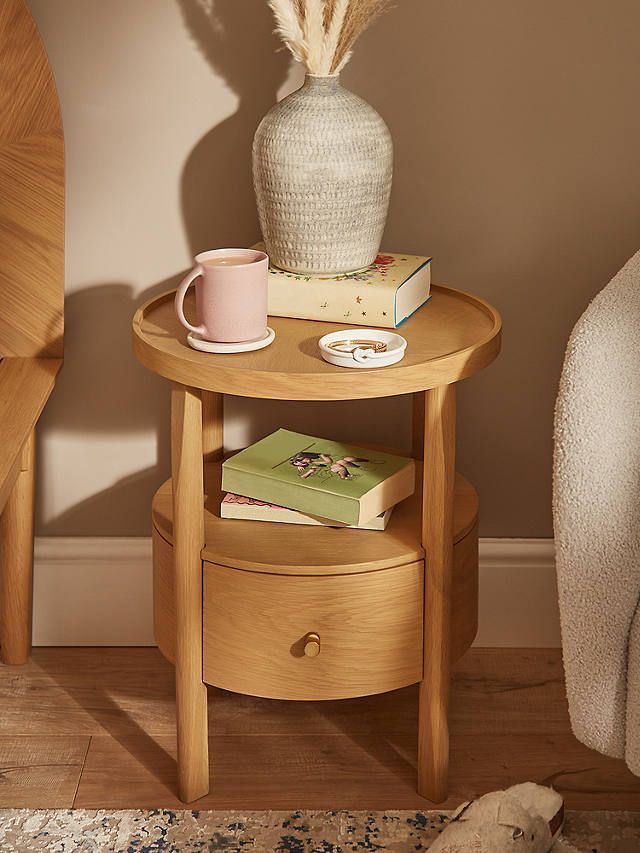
x: 518, y: 594
x: 92, y: 592
x: 98, y: 592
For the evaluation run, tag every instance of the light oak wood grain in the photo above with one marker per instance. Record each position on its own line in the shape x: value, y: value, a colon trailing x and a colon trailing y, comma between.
x: 212, y: 426
x: 40, y: 772
x: 296, y: 549
x: 32, y: 199
x: 121, y: 691
x: 314, y: 572
x: 164, y: 597
x: 28, y: 100
x: 256, y: 625
x: 338, y: 771
x: 417, y: 425
x: 454, y: 336
x: 212, y: 432
x: 464, y: 621
x: 465, y: 583
x: 191, y: 694
x: 509, y: 722
x: 31, y: 297
x: 25, y: 386
x: 86, y: 691
x: 437, y: 536
x: 16, y: 559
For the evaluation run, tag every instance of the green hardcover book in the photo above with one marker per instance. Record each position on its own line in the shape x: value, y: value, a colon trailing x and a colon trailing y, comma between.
x: 320, y: 477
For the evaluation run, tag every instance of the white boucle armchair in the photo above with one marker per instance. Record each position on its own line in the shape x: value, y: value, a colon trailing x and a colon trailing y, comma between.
x: 597, y: 519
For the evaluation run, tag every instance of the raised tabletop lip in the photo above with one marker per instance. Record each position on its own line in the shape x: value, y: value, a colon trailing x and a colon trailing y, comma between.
x: 190, y: 367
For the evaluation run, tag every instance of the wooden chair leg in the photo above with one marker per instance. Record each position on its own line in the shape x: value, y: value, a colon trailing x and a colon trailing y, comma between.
x: 188, y: 542
x: 16, y: 563
x: 437, y: 540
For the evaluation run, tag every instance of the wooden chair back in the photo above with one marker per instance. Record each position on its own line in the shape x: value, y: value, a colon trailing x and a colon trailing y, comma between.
x: 31, y: 192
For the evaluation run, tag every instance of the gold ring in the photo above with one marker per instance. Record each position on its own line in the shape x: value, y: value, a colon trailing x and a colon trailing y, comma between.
x: 350, y: 345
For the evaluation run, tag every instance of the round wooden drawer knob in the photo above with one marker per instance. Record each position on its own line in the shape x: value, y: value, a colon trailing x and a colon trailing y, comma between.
x: 312, y: 645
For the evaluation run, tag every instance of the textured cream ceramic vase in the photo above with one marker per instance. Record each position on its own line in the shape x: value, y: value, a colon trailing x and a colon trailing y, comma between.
x: 322, y: 168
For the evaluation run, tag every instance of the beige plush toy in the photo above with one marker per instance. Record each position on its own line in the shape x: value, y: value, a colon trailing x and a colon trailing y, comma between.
x: 527, y: 818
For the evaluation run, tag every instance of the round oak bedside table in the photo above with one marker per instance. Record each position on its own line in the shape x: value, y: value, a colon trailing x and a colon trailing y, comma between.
x: 294, y: 612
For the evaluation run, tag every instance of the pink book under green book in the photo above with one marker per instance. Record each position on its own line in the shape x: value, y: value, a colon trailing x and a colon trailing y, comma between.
x: 319, y: 477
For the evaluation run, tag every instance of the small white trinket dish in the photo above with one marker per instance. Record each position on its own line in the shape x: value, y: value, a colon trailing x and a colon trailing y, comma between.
x: 362, y: 348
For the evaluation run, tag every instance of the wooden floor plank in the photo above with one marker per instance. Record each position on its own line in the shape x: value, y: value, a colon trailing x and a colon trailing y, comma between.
x: 88, y: 691
x: 350, y: 772
x: 40, y: 771
x: 129, y: 691
x: 509, y: 722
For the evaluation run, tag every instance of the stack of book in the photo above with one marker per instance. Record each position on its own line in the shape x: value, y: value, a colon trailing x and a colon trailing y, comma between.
x: 300, y: 479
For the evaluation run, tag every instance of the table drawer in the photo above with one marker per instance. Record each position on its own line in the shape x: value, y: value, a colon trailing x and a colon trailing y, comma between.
x: 464, y: 611
x: 312, y: 637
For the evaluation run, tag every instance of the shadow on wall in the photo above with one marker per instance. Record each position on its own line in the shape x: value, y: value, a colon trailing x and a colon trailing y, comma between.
x: 117, y: 397
x: 218, y: 209
x: 218, y: 204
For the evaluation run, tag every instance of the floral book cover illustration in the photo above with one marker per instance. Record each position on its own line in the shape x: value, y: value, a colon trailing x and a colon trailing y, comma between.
x: 385, y: 294
x: 319, y: 477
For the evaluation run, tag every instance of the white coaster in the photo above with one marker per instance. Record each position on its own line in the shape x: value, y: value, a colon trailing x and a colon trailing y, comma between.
x: 197, y: 342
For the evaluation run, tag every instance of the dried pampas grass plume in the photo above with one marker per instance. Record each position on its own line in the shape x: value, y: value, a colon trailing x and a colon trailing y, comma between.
x: 321, y: 33
x: 314, y: 32
x: 334, y: 29
x: 289, y: 26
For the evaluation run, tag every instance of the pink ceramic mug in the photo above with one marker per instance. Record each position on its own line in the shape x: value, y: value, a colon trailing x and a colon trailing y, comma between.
x: 231, y: 295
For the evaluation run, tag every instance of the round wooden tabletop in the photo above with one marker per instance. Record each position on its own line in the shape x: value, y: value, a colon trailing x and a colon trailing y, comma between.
x: 450, y: 338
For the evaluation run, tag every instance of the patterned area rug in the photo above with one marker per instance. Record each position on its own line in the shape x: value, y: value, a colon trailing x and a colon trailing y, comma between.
x: 79, y: 831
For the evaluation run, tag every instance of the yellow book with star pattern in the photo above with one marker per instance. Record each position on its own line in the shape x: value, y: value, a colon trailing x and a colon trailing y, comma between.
x: 385, y: 294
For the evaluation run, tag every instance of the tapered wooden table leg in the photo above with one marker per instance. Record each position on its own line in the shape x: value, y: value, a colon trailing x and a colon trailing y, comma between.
x: 437, y: 540
x: 188, y: 541
x: 16, y: 563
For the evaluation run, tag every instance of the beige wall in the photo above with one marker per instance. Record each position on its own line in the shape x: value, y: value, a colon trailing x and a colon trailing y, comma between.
x: 517, y: 135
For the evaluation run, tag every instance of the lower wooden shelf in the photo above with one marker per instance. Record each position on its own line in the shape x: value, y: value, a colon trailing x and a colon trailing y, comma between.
x: 294, y: 612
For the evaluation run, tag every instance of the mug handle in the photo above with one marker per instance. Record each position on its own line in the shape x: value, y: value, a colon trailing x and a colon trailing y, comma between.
x: 179, y: 300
